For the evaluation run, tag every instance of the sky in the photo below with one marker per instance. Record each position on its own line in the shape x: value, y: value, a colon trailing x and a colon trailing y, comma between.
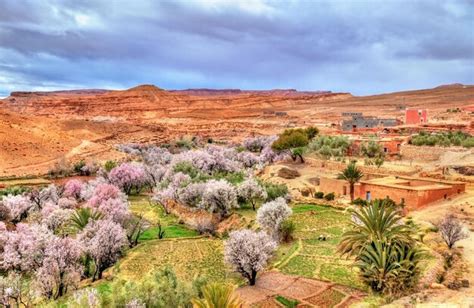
x: 362, y: 47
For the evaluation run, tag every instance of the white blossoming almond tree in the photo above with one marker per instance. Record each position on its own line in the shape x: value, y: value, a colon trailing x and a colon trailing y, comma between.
x: 248, y: 252
x: 271, y: 215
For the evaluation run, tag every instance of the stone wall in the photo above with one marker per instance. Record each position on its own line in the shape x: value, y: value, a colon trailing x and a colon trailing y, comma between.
x: 426, y: 153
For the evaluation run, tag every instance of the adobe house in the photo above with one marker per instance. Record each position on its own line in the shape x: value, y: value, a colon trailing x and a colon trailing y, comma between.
x: 413, y: 192
x: 359, y: 121
x: 391, y: 145
x: 415, y: 116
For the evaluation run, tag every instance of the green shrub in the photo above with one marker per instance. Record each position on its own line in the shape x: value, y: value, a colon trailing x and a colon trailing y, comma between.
x: 330, y: 146
x: 275, y: 190
x: 14, y: 190
x: 109, y: 165
x: 186, y: 168
x: 78, y: 166
x: 444, y: 139
x: 360, y: 202
x: 329, y: 197
x: 286, y: 302
x: 287, y: 229
x: 319, y: 195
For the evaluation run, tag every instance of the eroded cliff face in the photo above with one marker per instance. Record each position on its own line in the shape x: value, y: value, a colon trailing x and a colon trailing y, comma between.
x: 38, y: 128
x: 148, y: 102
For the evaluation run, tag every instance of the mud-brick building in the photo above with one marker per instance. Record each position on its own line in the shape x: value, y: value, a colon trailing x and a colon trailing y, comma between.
x: 359, y: 121
x: 413, y: 192
x: 391, y: 145
x: 415, y: 116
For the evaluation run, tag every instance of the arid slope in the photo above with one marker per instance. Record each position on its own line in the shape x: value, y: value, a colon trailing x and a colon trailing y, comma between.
x: 37, y: 128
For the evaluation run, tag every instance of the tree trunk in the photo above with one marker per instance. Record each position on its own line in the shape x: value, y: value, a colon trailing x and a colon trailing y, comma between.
x: 253, y: 278
x: 351, y: 188
x: 253, y: 204
x: 301, y: 158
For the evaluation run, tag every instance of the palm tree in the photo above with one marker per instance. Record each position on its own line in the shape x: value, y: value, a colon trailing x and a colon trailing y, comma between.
x: 379, y: 221
x: 389, y: 269
x: 218, y: 295
x: 383, y: 247
x: 352, y: 175
x: 82, y: 216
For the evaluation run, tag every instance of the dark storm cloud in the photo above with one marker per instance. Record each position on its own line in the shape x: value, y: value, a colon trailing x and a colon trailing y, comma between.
x: 361, y: 47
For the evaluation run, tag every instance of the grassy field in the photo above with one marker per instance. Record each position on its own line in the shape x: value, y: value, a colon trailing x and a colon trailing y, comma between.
x: 189, y: 258
x: 310, y: 257
x: 182, y: 248
x: 140, y: 205
x: 305, y: 256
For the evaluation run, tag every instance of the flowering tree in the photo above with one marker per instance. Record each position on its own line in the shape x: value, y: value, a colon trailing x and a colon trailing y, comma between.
x: 55, y: 218
x: 88, y: 189
x: 72, y: 189
x: 18, y: 207
x: 103, y: 241
x: 24, y: 248
x: 248, y: 252
x: 114, y: 209
x: 4, y: 212
x: 251, y: 191
x: 180, y: 180
x: 156, y: 156
x: 128, y: 176
x: 15, y: 291
x: 191, y: 195
x: 104, y: 192
x: 85, y: 298
x: 257, y: 144
x: 61, y: 268
x: 271, y: 214
x: 67, y: 203
x: 219, y: 197
x: 247, y: 159
x: 155, y: 173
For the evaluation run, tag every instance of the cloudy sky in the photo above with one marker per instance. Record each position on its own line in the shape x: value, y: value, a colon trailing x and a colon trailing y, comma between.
x: 357, y: 46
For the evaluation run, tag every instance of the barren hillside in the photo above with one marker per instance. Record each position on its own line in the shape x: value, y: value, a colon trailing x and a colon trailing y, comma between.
x: 37, y: 128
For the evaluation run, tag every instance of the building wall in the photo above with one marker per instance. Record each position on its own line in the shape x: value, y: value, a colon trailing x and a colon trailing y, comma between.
x: 329, y: 185
x: 413, y: 199
x: 427, y: 153
x: 416, y: 116
x: 361, y: 122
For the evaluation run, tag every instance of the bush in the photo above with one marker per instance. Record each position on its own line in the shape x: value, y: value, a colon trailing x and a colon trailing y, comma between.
x: 360, y: 202
x: 61, y: 168
x: 319, y: 195
x: 287, y: 229
x: 275, y: 191
x: 186, y: 168
x: 78, y: 166
x: 14, y: 190
x: 329, y: 197
x: 444, y: 139
x: 109, y: 165
x: 330, y: 146
x: 205, y: 225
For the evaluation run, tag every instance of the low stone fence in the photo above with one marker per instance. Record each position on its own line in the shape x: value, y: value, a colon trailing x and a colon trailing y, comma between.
x: 426, y: 153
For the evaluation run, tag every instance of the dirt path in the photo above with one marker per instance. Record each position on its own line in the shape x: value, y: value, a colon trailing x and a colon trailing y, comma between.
x: 308, y: 292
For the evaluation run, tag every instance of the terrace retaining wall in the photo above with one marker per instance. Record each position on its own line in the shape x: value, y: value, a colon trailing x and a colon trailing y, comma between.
x: 426, y: 153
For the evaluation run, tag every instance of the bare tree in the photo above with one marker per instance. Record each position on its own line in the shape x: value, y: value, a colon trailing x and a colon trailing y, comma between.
x: 452, y: 230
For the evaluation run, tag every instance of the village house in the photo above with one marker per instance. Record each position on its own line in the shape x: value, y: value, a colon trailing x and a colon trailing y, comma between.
x: 359, y: 121
x: 415, y: 116
x: 413, y: 192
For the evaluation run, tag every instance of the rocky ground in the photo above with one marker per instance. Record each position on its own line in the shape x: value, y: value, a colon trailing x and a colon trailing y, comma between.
x: 40, y: 128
